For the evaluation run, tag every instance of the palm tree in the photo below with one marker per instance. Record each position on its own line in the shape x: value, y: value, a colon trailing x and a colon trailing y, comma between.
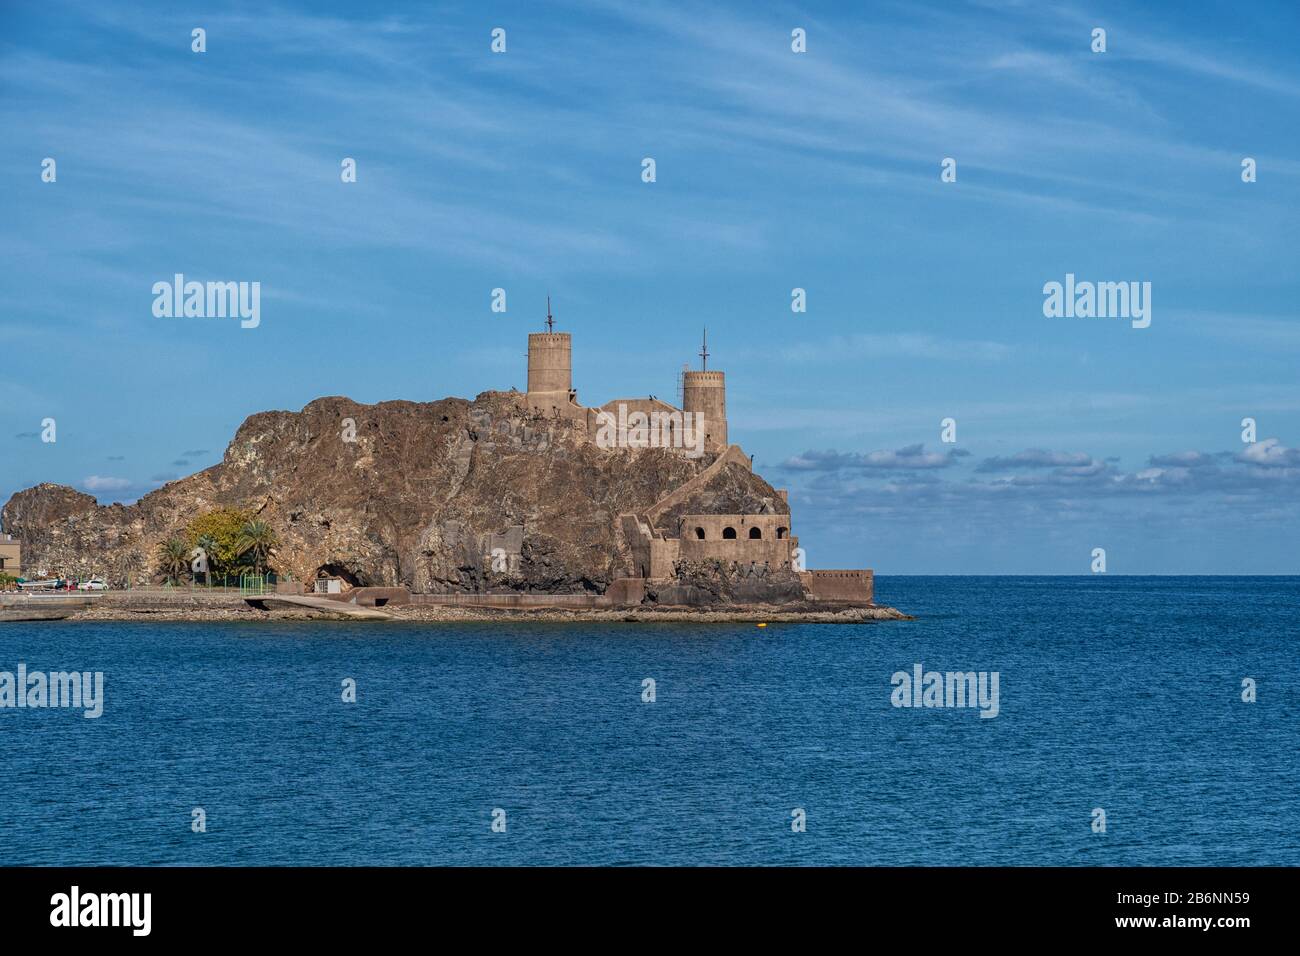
x: 175, y: 557
x: 257, y: 540
x: 209, y: 545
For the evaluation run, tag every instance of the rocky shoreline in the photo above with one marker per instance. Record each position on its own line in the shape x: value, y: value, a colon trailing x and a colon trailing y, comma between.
x: 197, y: 606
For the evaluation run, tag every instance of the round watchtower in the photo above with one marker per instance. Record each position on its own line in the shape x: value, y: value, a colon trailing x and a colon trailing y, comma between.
x: 550, y: 362
x: 705, y: 393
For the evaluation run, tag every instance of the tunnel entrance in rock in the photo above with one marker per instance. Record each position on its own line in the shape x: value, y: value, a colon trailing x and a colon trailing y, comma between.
x: 338, y: 571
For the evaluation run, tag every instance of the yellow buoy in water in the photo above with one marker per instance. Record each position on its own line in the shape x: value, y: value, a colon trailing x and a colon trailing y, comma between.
x: 762, y: 625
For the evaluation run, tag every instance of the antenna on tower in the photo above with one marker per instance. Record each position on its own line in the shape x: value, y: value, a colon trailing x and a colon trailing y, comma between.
x: 550, y: 322
x: 704, y: 352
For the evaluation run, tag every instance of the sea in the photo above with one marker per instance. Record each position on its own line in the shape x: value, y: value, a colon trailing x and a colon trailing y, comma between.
x: 1139, y: 721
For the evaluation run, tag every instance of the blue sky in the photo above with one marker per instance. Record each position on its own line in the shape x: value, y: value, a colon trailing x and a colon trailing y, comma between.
x: 775, y: 170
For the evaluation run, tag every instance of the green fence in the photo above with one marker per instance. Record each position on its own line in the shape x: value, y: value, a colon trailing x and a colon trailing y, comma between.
x: 253, y: 585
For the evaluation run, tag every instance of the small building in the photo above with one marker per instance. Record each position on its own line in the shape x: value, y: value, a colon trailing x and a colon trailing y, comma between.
x: 11, y: 552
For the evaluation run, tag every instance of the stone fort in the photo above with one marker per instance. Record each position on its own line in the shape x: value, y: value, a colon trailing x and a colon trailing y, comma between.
x: 747, y: 543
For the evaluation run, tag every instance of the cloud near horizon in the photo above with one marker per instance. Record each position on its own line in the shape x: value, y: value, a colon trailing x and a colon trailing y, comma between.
x: 906, y: 458
x: 1270, y: 453
x: 1051, y: 517
x: 1265, y: 469
x: 1036, y: 458
x: 105, y: 483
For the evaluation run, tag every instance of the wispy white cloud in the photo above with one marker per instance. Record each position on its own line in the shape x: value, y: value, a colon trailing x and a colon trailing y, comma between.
x: 912, y: 457
x: 1037, y: 458
x: 1270, y: 453
x: 105, y: 483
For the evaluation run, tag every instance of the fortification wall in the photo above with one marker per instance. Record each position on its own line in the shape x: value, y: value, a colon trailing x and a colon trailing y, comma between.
x: 857, y: 586
x: 664, y: 553
x: 558, y: 405
x: 703, y: 537
x: 662, y: 427
x: 714, y: 527
x: 640, y: 542
x: 626, y: 591
x: 774, y: 554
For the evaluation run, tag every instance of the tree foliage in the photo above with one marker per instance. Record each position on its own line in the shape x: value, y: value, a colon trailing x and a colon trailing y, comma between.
x: 174, y: 557
x: 255, y: 544
x: 218, y: 532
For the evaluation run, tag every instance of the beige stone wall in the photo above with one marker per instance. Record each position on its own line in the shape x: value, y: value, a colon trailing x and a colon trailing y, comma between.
x: 664, y: 553
x: 557, y: 405
x: 773, y: 546
x: 639, y: 539
x: 664, y: 425
x: 850, y: 585
x: 626, y: 591
x: 11, y: 557
x: 769, y: 527
x: 646, y: 405
x: 379, y: 597
x: 773, y: 554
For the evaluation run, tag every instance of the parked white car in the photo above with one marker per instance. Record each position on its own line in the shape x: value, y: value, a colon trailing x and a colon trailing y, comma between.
x: 94, y: 584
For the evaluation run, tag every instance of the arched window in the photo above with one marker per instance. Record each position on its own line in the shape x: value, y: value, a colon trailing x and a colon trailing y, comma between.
x: 755, y: 532
x: 729, y: 533
x: 699, y: 533
x: 782, y: 532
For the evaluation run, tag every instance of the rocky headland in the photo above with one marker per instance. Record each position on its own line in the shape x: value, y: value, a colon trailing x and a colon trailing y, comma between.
x: 415, y: 495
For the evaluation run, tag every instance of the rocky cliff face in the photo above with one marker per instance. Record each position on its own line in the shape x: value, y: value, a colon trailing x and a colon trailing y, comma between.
x: 413, y: 500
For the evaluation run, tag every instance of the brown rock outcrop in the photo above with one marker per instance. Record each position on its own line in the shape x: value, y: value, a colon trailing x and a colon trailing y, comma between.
x: 413, y: 501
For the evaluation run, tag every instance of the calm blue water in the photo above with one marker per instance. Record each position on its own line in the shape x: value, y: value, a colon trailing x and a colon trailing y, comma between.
x: 1119, y: 693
